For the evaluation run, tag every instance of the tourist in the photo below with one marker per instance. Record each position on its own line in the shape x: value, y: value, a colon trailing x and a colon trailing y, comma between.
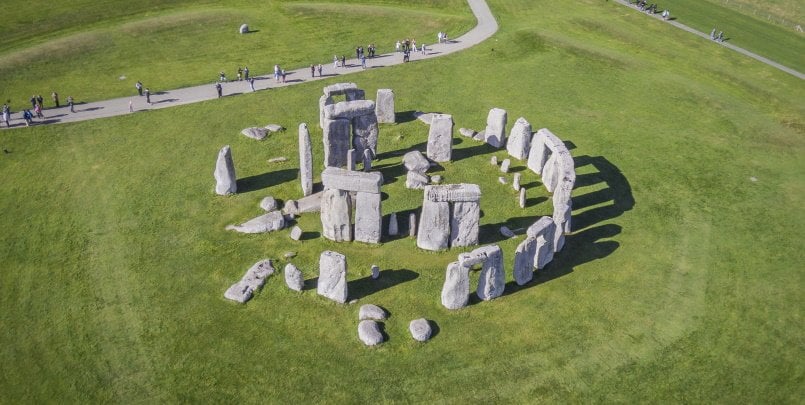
x: 246, y: 72
x: 251, y: 83
x: 147, y: 96
x: 320, y: 69
x: 397, y: 46
x: 363, y: 62
x: 357, y: 52
x: 70, y: 103
x: 422, y: 49
x: 283, y: 75
x: 221, y: 76
x: 6, y: 115
x: 38, y: 111
x: 413, y: 44
x: 343, y: 61
x: 139, y: 87
x: 312, y: 71
x: 335, y: 62
x: 720, y: 36
x: 713, y: 34
x: 28, y: 117
x: 219, y: 89
x: 40, y: 101
x: 33, y: 101
x: 276, y: 73
x: 131, y: 106
x: 439, y: 36
x: 55, y: 97
x: 240, y: 74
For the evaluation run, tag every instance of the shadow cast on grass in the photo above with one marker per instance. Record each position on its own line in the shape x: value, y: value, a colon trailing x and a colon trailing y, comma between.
x: 366, y: 286
x: 265, y: 180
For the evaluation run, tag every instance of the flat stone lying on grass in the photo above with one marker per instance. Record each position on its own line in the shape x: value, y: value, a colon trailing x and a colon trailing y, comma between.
x: 255, y: 133
x: 469, y: 133
x: 437, y: 179
x: 505, y: 231
x: 268, y: 204
x: 333, y: 276
x: 420, y: 329
x: 274, y: 128
x: 278, y: 159
x: 416, y: 180
x: 371, y: 311
x: 269, y: 222
x: 254, y: 279
x: 225, y: 181
x: 296, y: 233
x: 424, y: 117
x: 311, y: 203
x: 369, y: 333
x: 293, y: 277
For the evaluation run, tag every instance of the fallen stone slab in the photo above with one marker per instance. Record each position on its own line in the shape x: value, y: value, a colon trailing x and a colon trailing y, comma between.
x: 505, y: 231
x: 278, y: 159
x: 296, y: 233
x: 255, y: 133
x: 415, y: 161
x: 274, y: 128
x: 269, y: 222
x: 369, y: 333
x: 293, y: 278
x: 268, y: 204
x: 371, y: 311
x: 469, y: 133
x: 254, y: 279
x: 311, y: 203
x: 420, y: 329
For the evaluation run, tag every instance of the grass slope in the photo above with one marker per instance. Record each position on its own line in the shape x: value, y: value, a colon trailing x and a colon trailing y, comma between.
x: 679, y: 283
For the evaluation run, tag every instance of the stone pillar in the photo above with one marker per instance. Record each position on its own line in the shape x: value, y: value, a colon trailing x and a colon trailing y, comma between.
x: 394, y: 228
x: 368, y: 218
x: 412, y: 225
x: 538, y: 153
x: 225, y: 180
x: 324, y: 101
x: 336, y: 215
x: 434, y: 225
x: 351, y: 159
x: 492, y: 280
x: 305, y: 160
x: 367, y: 160
x: 440, y: 138
x: 384, y: 106
x: 519, y: 142
x: 544, y: 231
x: 464, y: 223
x: 524, y: 260
x: 332, y: 276
x: 365, y: 133
x: 495, y: 133
x: 336, y: 142
x: 456, y: 288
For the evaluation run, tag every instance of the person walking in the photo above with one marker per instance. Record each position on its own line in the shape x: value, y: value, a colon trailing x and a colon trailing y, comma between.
x: 423, y: 49
x: 131, y: 106
x: 70, y: 103
x: 713, y: 34
x: 55, y: 97
x: 363, y: 61
x: 33, y: 101
x: 251, y: 83
x: 335, y: 62
x: 312, y: 70
x: 282, y: 72
x: 246, y: 72
x: 219, y: 89
x: 148, y: 96
x: 6, y: 115
x: 28, y: 117
x: 276, y: 73
x: 38, y: 111
x: 40, y: 101
x: 139, y: 87
x: 320, y: 68
x: 397, y: 46
x: 343, y: 61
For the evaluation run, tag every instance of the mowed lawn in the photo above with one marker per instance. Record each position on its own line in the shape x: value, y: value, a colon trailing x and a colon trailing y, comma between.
x: 681, y: 282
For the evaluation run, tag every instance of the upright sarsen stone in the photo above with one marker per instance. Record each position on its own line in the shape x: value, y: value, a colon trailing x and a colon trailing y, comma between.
x: 495, y: 133
x: 538, y: 152
x: 384, y: 106
x: 336, y: 142
x: 524, y: 260
x: 519, y: 141
x: 492, y: 280
x: 544, y: 231
x: 365, y: 133
x: 368, y: 218
x: 456, y: 288
x: 434, y: 225
x: 225, y: 182
x: 336, y: 215
x: 305, y: 160
x: 440, y: 138
x: 332, y: 281
x: 464, y: 223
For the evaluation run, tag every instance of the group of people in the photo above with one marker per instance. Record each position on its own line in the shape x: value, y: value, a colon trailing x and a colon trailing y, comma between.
x: 651, y: 9
x: 717, y: 37
x: 37, y: 105
x: 314, y: 68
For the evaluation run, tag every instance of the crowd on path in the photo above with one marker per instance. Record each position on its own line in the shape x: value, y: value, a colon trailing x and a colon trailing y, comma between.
x: 643, y: 5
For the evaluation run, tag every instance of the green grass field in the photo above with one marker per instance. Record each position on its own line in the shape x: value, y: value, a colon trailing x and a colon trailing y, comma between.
x: 680, y: 282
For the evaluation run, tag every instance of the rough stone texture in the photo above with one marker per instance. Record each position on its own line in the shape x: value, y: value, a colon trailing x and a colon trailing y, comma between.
x: 479, y: 136
x: 469, y: 133
x: 239, y: 292
x: 437, y: 179
x: 558, y: 238
x: 269, y: 222
x: 367, y: 160
x: 368, y: 218
x: 434, y: 225
x: 538, y: 153
x: 244, y: 29
x: 516, y: 182
x: 394, y: 228
x: 453, y: 192
x: 336, y: 142
x: 502, y: 180
x: 495, y: 133
x: 296, y: 233
x: 255, y: 133
x: 323, y: 102
x: 504, y: 166
x: 424, y: 117
x: 268, y: 204
x: 293, y: 277
x: 254, y: 279
x: 440, y: 138
x: 333, y: 276
x: 365, y: 132
x: 311, y: 203
x: 412, y: 225
x: 336, y: 215
x: 492, y: 280
x: 519, y: 143
x: 353, y: 95
x: 524, y: 260
x: 414, y: 161
x: 456, y: 288
x: 341, y: 179
x: 350, y: 109
x: 305, y: 160
x: 420, y: 329
x: 351, y: 159
x: 493, y: 160
x: 552, y: 173
x: 274, y: 128
x: 375, y: 272
x: 370, y: 311
x: 505, y: 231
x: 544, y: 231
x: 225, y: 182
x: 339, y: 89
x: 561, y: 216
x: 416, y: 180
x: 369, y: 333
x: 522, y: 198
x: 384, y: 106
x: 464, y: 223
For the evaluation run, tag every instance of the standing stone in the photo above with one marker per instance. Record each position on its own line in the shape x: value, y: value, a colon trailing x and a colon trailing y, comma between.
x: 543, y: 230
x: 375, y: 272
x: 244, y: 29
x: 504, y: 166
x: 336, y: 215
x: 336, y: 142
x: 369, y: 333
x: 558, y: 238
x: 384, y: 106
x: 524, y: 260
x: 552, y: 172
x: 296, y: 233
x: 225, y: 182
x: 440, y: 138
x: 368, y: 218
x: 412, y: 225
x: 293, y: 277
x: 367, y: 160
x: 324, y: 101
x: 351, y: 159
x: 414, y: 161
x: 492, y: 280
x: 493, y: 160
x: 333, y: 276
x: 305, y: 160
x: 464, y: 223
x: 434, y: 225
x: 420, y: 329
x: 495, y: 133
x: 519, y: 142
x: 456, y: 288
x: 394, y: 229
x: 516, y: 182
x: 522, y: 199
x: 365, y: 133
x: 538, y: 152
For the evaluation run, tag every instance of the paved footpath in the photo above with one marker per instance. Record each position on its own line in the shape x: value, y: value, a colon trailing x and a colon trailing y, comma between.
x: 484, y: 29
x: 725, y: 44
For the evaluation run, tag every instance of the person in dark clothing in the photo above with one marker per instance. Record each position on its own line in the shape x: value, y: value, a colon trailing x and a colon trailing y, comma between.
x: 55, y: 97
x: 219, y: 89
x: 147, y: 95
x: 70, y: 103
x: 139, y: 87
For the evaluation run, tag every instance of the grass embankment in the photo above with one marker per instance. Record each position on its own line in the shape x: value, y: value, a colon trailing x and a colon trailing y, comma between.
x: 680, y: 283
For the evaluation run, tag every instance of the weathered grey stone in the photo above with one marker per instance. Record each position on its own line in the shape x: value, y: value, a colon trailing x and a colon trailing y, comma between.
x: 268, y: 204
x: 290, y: 208
x: 524, y: 260
x: 416, y: 180
x: 394, y: 229
x: 558, y: 238
x: 369, y: 333
x: 274, y: 128
x: 506, y: 232
x: 323, y: 102
x: 368, y: 218
x: 464, y: 223
x: 476, y: 256
x: 552, y: 172
x: 456, y: 288
x: 364, y: 133
x: 453, y: 192
x: 516, y: 182
x: 434, y: 225
x: 504, y: 166
x: 371, y: 311
x: 495, y: 133
x: 384, y: 106
x: 414, y: 161
x: 278, y: 159
x: 239, y: 292
x: 293, y: 278
x: 296, y: 233
x: 305, y: 160
x: 492, y: 280
x: 341, y: 179
x: 350, y: 109
x: 562, y: 216
x: 269, y: 222
x: 339, y: 89
x: 224, y: 174
x: 244, y: 29
x: 538, y: 153
x: 493, y: 160
x: 332, y: 276
x: 351, y: 159
x: 502, y: 180
x: 375, y: 272
x: 336, y: 142
x: 437, y: 179
x: 255, y: 133
x: 420, y: 329
x: 469, y: 133
x: 424, y: 117
x: 288, y: 255
x: 519, y: 142
x: 336, y: 215
x: 544, y: 231
x: 367, y: 160
x: 440, y: 138
x: 311, y: 203
x: 412, y: 225
x: 357, y: 94
x: 254, y: 279
x: 522, y: 198
x: 479, y: 136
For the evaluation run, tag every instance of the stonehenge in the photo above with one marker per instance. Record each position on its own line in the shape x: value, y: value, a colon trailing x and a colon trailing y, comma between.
x: 491, y: 283
x: 369, y: 333
x: 440, y: 138
x: 371, y: 311
x: 268, y: 222
x: 348, y: 124
x: 417, y: 165
x: 332, y: 276
x: 225, y: 180
x: 253, y: 280
x: 495, y: 133
x: 440, y: 226
x: 337, y: 205
x: 420, y: 329
x: 519, y: 142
